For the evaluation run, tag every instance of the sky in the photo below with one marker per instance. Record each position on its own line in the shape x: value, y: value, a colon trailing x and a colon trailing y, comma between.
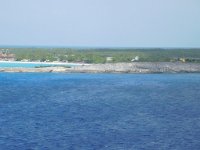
x: 100, y: 23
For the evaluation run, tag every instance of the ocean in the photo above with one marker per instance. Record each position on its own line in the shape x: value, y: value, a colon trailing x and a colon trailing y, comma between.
x: 99, y: 111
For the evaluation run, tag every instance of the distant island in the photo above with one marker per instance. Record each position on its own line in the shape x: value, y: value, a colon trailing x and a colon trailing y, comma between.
x: 100, y: 55
x: 103, y: 60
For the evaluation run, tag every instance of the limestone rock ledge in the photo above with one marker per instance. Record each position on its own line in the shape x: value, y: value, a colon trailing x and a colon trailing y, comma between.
x: 137, y: 67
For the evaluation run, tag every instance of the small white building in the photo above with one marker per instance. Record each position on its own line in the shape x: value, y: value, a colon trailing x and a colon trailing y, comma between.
x: 135, y: 59
x: 25, y: 60
x: 108, y: 59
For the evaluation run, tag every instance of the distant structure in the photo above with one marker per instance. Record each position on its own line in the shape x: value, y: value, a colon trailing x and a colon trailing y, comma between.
x: 6, y: 56
x: 109, y: 59
x: 135, y: 59
x: 185, y: 59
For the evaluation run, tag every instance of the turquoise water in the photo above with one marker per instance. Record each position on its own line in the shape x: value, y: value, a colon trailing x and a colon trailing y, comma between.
x: 99, y: 111
x: 28, y: 65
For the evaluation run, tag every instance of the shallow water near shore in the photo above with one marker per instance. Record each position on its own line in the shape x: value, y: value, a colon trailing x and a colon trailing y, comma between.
x: 18, y: 64
x: 99, y: 111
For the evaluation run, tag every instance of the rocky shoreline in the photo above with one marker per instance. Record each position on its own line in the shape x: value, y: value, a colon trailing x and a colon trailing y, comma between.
x: 137, y: 67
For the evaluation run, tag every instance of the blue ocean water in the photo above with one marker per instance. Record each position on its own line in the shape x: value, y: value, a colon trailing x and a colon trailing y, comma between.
x: 99, y: 111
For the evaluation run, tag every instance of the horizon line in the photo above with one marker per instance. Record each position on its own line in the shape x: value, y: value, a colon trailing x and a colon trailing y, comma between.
x: 95, y: 47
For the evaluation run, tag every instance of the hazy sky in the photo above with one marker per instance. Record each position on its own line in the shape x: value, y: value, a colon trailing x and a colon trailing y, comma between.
x: 113, y: 23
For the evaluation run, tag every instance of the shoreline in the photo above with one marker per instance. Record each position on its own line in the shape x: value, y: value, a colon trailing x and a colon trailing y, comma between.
x: 45, y: 63
x: 136, y: 67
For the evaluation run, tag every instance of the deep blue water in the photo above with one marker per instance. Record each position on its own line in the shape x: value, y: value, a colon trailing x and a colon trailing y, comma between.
x: 99, y: 111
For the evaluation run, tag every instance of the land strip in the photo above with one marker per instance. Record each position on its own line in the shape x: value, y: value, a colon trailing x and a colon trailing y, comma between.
x: 135, y: 67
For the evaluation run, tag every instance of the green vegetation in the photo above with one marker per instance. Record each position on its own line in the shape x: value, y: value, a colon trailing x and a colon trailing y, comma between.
x: 102, y: 55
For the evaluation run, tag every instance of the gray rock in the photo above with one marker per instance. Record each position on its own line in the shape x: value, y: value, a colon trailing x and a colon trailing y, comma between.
x: 136, y: 67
